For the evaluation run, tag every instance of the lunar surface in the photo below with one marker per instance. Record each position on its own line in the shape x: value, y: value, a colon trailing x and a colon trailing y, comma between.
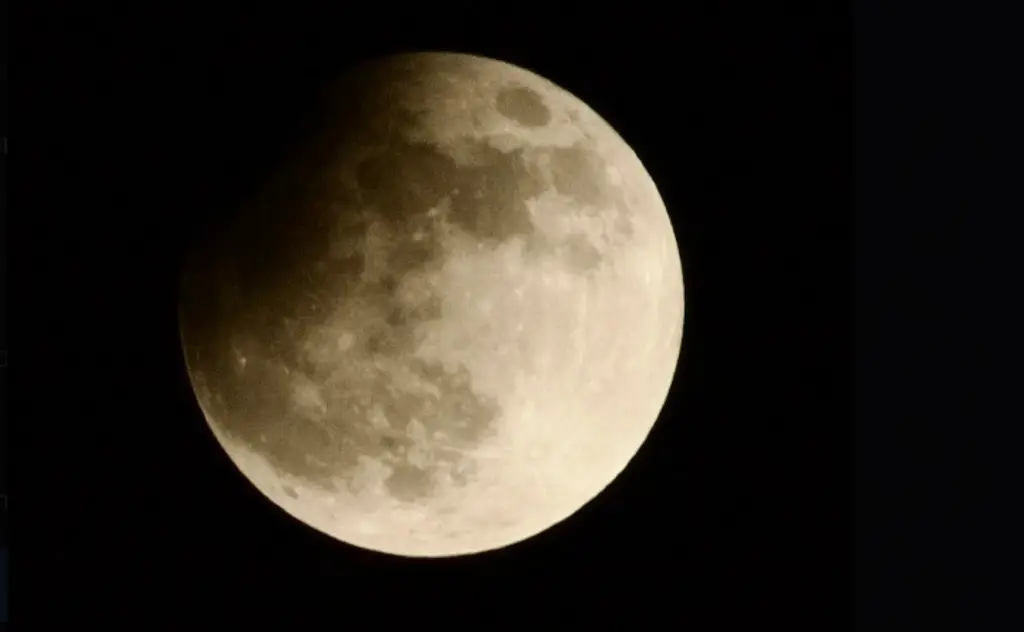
x: 449, y: 321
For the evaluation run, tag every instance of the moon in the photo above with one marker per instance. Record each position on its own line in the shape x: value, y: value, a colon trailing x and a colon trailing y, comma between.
x: 449, y: 321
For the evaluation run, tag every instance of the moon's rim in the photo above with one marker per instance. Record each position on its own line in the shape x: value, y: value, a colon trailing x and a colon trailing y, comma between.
x: 673, y: 261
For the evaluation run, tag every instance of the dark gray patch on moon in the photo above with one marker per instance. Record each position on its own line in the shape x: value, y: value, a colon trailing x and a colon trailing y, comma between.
x: 490, y: 199
x: 524, y: 106
x: 487, y: 197
x: 406, y: 180
x: 408, y: 482
x: 581, y: 174
x: 580, y: 256
x: 578, y: 173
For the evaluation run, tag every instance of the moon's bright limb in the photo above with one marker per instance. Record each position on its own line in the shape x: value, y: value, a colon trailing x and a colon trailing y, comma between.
x: 450, y: 322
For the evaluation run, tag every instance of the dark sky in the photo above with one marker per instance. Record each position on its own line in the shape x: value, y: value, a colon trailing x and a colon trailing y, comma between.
x: 134, y: 128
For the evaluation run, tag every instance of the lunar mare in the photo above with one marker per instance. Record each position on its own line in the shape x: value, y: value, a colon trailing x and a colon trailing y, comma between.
x: 449, y: 322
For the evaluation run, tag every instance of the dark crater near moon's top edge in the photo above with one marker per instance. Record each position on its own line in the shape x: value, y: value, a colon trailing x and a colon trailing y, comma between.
x: 523, y: 105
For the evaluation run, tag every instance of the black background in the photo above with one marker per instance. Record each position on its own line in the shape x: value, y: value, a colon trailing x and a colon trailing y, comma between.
x: 136, y: 126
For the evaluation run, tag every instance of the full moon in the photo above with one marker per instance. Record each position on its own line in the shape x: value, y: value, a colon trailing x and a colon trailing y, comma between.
x: 448, y: 321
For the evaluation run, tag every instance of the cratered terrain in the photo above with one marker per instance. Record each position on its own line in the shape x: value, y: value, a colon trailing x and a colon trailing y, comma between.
x: 449, y: 321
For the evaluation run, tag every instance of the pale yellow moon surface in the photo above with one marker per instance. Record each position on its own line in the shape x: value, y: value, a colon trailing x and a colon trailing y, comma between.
x: 452, y: 318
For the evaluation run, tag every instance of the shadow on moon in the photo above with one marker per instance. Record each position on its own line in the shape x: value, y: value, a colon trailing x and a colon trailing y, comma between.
x: 304, y: 319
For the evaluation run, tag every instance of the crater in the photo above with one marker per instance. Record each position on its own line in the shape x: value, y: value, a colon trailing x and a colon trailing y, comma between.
x: 579, y: 173
x: 524, y: 106
x: 406, y: 180
x: 409, y: 483
x: 580, y: 256
x: 486, y: 197
x: 489, y: 200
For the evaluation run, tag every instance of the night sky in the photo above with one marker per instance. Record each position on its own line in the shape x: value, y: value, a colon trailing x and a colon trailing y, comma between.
x: 137, y: 128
